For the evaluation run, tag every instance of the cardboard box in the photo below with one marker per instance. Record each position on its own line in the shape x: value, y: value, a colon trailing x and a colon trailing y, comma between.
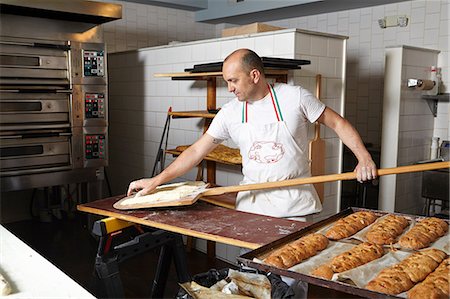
x: 250, y: 28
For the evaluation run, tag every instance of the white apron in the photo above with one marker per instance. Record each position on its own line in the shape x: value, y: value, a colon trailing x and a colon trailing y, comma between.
x: 269, y: 154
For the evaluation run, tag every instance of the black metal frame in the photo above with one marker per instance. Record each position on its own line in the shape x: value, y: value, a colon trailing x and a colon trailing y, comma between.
x: 107, y: 260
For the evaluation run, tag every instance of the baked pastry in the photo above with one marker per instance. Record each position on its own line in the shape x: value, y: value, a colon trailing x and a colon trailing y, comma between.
x: 297, y: 251
x: 402, y: 276
x: 351, y: 224
x: 424, y: 233
x: 435, y: 286
x: 221, y: 152
x: 323, y: 271
x: 387, y: 230
x: 358, y: 255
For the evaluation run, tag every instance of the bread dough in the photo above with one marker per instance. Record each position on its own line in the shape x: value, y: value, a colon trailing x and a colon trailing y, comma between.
x: 167, y: 193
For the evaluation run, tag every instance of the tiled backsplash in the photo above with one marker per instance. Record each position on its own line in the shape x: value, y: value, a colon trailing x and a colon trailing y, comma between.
x: 147, y: 26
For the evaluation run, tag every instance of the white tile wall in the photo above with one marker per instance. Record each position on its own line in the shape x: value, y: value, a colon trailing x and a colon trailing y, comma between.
x: 147, y: 25
x: 428, y: 27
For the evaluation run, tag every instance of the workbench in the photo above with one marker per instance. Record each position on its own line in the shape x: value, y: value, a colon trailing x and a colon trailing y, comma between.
x: 203, y: 220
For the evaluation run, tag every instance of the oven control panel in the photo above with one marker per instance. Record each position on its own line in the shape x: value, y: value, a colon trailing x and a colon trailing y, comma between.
x: 93, y: 63
x: 95, y: 146
x: 94, y: 104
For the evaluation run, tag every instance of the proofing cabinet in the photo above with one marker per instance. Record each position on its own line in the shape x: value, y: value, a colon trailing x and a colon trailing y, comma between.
x: 139, y: 102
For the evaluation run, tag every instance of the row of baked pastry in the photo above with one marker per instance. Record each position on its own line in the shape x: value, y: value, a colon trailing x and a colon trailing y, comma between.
x: 384, y: 231
x: 415, y: 275
x: 387, y: 230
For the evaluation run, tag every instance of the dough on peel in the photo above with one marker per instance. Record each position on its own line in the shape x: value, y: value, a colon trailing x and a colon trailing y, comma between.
x: 167, y: 193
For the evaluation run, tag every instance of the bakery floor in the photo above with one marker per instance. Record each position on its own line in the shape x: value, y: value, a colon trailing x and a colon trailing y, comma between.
x: 69, y: 245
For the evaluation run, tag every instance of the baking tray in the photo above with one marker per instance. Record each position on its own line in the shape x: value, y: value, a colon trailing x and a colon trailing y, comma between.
x: 247, y: 259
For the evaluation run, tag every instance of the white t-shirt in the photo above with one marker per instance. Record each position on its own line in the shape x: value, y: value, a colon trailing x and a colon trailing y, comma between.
x: 297, y: 105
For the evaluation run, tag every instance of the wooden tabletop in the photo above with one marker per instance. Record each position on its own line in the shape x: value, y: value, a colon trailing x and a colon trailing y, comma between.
x: 203, y: 220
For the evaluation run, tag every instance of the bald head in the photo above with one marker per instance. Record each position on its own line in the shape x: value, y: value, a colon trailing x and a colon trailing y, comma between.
x: 248, y: 59
x: 244, y: 73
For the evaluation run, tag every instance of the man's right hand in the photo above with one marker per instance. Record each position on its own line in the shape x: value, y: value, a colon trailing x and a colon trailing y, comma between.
x: 142, y: 187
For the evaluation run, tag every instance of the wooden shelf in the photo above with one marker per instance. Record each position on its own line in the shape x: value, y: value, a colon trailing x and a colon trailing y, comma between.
x: 177, y: 153
x: 197, y: 113
x: 227, y: 200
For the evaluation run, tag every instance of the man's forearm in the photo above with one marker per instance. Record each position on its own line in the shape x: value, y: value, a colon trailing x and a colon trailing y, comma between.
x: 351, y: 138
x: 188, y: 159
x: 180, y: 166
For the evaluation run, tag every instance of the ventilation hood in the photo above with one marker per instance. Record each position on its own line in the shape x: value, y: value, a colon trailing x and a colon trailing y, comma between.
x: 69, y: 10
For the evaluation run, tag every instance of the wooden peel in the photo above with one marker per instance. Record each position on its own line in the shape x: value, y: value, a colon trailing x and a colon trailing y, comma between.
x: 317, y: 149
x: 309, y: 180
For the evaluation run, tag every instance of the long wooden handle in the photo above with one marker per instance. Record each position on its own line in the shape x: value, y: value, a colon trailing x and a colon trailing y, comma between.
x: 318, y: 90
x: 324, y: 178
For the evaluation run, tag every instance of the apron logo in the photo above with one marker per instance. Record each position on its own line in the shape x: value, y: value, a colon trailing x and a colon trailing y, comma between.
x: 266, y: 152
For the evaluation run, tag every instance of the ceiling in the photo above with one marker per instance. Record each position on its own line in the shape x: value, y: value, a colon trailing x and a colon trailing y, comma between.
x: 249, y: 11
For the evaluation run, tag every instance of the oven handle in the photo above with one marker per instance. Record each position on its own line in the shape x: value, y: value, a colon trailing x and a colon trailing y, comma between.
x: 12, y: 137
x: 37, y: 45
x: 33, y: 135
x: 66, y: 91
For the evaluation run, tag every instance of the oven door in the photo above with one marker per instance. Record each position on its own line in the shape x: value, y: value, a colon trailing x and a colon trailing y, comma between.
x: 25, y: 111
x: 20, y: 155
x: 32, y: 63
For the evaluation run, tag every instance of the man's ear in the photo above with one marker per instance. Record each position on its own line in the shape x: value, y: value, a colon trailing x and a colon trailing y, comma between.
x: 255, y: 75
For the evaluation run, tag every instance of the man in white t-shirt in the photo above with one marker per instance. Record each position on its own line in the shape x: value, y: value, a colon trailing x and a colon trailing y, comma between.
x: 269, y: 124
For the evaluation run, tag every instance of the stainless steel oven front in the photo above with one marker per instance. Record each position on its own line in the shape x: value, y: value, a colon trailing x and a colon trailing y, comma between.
x: 53, y: 106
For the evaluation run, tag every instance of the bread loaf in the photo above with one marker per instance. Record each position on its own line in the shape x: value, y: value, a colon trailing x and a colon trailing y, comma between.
x: 402, y: 276
x: 386, y: 230
x: 435, y: 286
x: 297, y: 251
x: 323, y: 271
x: 221, y: 152
x: 356, y: 256
x: 349, y: 225
x: 424, y: 233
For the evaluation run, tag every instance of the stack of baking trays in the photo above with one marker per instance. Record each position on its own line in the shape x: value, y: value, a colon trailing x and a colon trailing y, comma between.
x: 364, y: 252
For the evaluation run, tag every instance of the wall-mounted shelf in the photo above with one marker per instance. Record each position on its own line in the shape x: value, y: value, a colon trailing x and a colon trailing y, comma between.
x: 433, y: 100
x: 272, y: 73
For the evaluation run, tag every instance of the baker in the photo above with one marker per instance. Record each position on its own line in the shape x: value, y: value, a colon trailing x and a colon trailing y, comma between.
x: 269, y: 123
